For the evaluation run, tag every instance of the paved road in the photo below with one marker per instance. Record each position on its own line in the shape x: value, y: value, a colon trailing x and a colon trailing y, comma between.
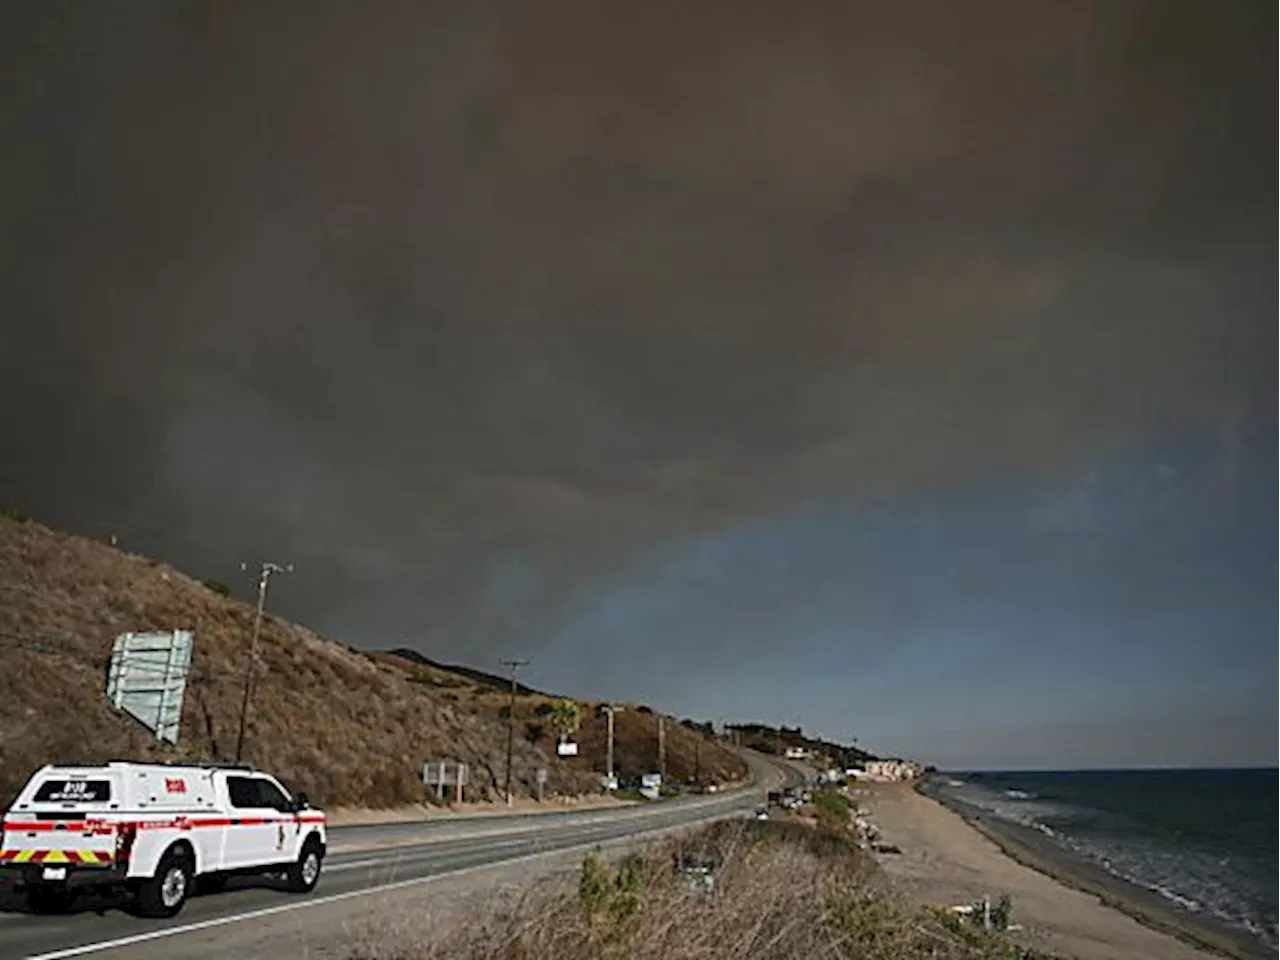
x: 363, y: 860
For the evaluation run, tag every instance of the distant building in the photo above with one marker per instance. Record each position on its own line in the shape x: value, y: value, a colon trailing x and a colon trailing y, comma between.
x: 891, y: 770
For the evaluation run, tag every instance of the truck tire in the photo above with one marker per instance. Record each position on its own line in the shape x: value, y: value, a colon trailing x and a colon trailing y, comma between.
x: 303, y: 875
x: 49, y: 899
x: 164, y: 894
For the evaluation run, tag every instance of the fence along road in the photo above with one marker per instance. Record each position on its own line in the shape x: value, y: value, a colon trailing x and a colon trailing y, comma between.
x: 363, y: 860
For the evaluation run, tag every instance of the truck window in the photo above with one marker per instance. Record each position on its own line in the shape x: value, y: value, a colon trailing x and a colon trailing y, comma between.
x: 243, y: 792
x: 74, y: 791
x: 272, y: 796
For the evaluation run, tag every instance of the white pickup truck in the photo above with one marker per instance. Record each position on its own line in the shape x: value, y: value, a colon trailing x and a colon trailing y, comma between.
x: 156, y: 830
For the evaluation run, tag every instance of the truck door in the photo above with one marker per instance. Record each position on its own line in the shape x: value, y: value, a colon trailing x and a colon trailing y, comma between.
x: 253, y: 830
x: 284, y: 834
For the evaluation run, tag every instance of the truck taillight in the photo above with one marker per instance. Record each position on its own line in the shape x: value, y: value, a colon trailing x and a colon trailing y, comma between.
x: 124, y: 840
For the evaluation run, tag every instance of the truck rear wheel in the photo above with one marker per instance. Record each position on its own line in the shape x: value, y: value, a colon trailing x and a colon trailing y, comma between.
x: 164, y: 894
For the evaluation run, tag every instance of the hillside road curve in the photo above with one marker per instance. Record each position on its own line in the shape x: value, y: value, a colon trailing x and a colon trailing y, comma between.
x: 260, y: 917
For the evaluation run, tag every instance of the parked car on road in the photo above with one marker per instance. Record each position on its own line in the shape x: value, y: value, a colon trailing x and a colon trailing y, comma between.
x: 157, y: 831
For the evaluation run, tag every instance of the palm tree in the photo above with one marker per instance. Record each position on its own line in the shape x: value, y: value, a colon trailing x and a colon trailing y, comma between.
x: 566, y: 718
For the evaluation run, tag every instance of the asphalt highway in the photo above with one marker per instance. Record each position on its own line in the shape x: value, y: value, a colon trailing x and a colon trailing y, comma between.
x: 363, y: 860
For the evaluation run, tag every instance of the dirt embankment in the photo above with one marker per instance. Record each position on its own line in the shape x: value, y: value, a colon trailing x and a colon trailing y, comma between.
x: 349, y: 728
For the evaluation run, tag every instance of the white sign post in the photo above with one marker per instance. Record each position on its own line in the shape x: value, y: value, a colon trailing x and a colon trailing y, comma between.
x: 445, y: 773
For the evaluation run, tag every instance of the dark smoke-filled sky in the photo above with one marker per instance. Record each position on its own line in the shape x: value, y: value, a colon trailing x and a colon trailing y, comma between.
x: 905, y: 371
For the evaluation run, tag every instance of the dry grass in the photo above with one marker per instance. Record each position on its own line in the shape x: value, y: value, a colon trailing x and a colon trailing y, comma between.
x: 348, y: 727
x: 782, y: 892
x: 330, y: 720
x: 689, y: 755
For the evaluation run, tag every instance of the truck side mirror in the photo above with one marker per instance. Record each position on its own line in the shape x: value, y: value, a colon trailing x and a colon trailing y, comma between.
x: 300, y: 802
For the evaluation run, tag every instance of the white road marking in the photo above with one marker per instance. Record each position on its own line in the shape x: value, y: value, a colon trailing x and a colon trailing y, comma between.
x: 339, y: 844
x: 320, y: 901
x: 393, y: 861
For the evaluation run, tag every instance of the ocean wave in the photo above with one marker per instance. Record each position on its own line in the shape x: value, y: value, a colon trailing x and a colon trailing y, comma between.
x: 1195, y: 906
x: 1193, y: 882
x: 1019, y: 795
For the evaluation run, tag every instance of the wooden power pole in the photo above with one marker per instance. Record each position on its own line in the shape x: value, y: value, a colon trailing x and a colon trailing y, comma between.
x: 513, y: 665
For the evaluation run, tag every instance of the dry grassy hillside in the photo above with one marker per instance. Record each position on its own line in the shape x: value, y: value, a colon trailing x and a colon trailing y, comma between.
x: 348, y: 727
x: 690, y: 756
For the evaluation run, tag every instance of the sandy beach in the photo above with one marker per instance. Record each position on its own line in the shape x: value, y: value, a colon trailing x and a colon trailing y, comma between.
x: 947, y: 860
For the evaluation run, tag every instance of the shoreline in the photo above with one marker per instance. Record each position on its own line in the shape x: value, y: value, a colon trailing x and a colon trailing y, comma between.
x: 1029, y: 848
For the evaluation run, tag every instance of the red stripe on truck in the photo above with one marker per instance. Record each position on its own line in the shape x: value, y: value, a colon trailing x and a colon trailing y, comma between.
x: 174, y: 823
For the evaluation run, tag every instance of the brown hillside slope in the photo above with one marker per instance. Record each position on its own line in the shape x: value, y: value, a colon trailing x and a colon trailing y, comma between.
x: 328, y: 719
x: 690, y: 757
x: 348, y: 727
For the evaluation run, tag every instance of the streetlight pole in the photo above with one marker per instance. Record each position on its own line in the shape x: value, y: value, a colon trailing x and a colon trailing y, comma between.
x: 662, y: 750
x: 610, y: 710
x: 264, y: 578
x: 513, y: 665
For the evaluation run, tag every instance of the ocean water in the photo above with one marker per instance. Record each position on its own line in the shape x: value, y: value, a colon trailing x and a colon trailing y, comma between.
x: 1204, y: 839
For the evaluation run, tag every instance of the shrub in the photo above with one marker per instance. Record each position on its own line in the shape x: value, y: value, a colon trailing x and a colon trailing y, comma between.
x: 834, y: 808
x: 778, y: 891
x: 218, y: 587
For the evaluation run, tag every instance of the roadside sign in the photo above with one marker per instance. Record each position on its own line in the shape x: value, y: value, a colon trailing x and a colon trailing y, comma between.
x: 567, y: 748
x: 541, y: 776
x: 147, y: 678
x: 445, y: 775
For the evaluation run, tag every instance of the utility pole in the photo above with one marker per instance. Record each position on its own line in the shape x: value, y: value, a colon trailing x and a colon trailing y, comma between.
x: 610, y: 709
x: 662, y: 747
x: 513, y: 665
x: 264, y: 577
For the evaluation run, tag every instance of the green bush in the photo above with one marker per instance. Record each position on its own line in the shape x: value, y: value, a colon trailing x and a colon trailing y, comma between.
x: 218, y: 587
x: 834, y: 808
x: 612, y: 900
x: 1002, y: 912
